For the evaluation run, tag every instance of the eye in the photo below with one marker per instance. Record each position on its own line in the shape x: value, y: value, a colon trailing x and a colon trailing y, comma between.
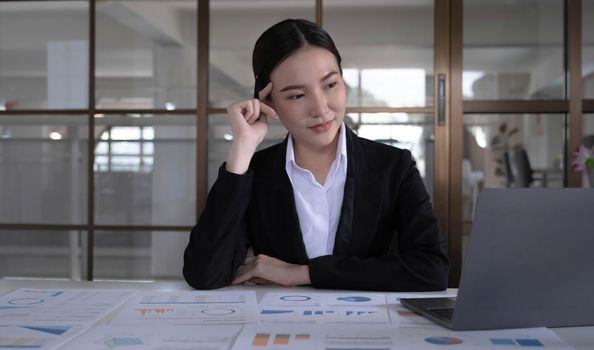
x: 332, y: 85
x: 295, y: 97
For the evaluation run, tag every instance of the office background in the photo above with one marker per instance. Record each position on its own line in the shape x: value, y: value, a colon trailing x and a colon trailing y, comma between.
x: 112, y: 123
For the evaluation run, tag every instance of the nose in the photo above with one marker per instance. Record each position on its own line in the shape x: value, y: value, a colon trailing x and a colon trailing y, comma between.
x: 319, y: 105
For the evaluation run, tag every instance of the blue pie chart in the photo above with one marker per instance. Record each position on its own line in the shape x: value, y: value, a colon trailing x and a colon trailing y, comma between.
x: 295, y: 298
x: 25, y: 301
x: 356, y: 299
x: 443, y: 340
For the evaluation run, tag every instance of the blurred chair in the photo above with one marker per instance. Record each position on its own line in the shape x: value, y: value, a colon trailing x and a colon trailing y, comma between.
x: 471, y: 185
x: 509, y: 176
x: 523, y: 176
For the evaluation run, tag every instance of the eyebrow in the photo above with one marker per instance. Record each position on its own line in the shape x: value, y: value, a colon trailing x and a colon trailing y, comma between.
x: 293, y: 87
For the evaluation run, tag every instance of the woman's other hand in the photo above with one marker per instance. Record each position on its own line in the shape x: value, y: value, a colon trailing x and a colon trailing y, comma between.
x: 249, y: 124
x: 263, y: 269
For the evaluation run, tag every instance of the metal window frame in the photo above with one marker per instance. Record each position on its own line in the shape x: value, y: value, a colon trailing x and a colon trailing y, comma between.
x: 448, y: 47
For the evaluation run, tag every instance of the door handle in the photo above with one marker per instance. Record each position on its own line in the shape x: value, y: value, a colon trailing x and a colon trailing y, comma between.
x: 441, y: 99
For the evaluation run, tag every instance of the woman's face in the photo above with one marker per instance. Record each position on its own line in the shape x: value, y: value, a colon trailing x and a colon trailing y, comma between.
x: 309, y: 96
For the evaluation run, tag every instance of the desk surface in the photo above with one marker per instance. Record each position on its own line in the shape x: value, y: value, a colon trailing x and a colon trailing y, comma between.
x: 580, y: 338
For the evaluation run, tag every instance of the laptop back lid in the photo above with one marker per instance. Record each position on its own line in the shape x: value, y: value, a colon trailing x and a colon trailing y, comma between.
x: 530, y: 260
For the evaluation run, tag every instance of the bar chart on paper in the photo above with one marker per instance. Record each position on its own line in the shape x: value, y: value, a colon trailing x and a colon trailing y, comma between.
x: 324, y: 308
x: 281, y: 339
x: 366, y: 337
x: 274, y: 337
x: 188, y: 307
x: 369, y: 315
x: 310, y: 337
x: 107, y: 337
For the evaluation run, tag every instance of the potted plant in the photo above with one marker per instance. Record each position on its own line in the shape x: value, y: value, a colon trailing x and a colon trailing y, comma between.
x: 583, y: 160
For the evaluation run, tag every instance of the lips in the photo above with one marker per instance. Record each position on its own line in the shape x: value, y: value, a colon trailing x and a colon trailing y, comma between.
x: 322, y: 127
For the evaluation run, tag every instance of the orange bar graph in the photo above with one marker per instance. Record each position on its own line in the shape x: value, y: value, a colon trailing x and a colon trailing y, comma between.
x: 158, y: 311
x: 302, y: 337
x: 261, y: 339
x: 282, y: 339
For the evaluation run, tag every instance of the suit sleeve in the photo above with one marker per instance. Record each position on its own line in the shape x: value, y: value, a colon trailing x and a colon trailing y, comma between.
x: 218, y: 243
x: 416, y: 258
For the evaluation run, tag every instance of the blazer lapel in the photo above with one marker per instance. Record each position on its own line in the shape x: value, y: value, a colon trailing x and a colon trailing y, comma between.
x: 362, y: 202
x: 277, y: 207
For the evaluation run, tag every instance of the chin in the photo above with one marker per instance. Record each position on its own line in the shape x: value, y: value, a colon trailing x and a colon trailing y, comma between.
x: 326, y: 138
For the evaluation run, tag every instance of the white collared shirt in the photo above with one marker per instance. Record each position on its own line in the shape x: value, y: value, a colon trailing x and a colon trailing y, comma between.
x: 318, y: 205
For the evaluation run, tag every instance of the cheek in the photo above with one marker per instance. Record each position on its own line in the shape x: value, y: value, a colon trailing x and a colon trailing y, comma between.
x: 289, y: 111
x: 338, y: 98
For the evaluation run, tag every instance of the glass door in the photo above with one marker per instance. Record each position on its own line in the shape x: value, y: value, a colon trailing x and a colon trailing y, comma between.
x: 516, y: 101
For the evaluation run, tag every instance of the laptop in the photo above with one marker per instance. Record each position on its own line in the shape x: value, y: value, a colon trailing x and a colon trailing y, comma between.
x: 529, y: 263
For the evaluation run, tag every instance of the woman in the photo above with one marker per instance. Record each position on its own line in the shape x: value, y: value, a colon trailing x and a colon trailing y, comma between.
x: 324, y: 207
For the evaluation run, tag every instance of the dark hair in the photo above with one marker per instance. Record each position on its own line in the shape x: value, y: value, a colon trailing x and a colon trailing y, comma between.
x: 280, y: 41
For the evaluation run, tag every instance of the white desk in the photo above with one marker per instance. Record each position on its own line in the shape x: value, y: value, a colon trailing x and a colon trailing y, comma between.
x: 580, y: 338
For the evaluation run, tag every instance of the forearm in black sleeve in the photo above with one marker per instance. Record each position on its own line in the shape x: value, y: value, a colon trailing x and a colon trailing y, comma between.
x: 421, y: 265
x: 413, y: 272
x: 218, y: 243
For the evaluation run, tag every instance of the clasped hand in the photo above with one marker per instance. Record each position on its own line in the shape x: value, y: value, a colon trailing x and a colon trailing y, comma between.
x: 263, y: 269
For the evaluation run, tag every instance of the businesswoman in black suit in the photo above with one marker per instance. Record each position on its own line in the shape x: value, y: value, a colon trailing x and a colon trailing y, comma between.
x: 324, y: 207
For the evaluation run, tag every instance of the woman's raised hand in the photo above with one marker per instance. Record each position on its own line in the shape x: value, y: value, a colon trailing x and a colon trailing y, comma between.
x: 249, y: 124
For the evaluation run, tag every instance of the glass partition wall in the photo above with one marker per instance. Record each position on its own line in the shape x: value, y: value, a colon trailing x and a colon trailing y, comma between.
x: 98, y: 103
x: 519, y: 59
x: 113, y: 126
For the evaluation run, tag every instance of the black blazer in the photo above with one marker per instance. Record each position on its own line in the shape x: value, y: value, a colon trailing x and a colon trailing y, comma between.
x: 387, y: 237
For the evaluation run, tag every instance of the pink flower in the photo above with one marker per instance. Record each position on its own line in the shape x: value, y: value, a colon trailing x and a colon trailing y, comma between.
x: 583, y: 159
